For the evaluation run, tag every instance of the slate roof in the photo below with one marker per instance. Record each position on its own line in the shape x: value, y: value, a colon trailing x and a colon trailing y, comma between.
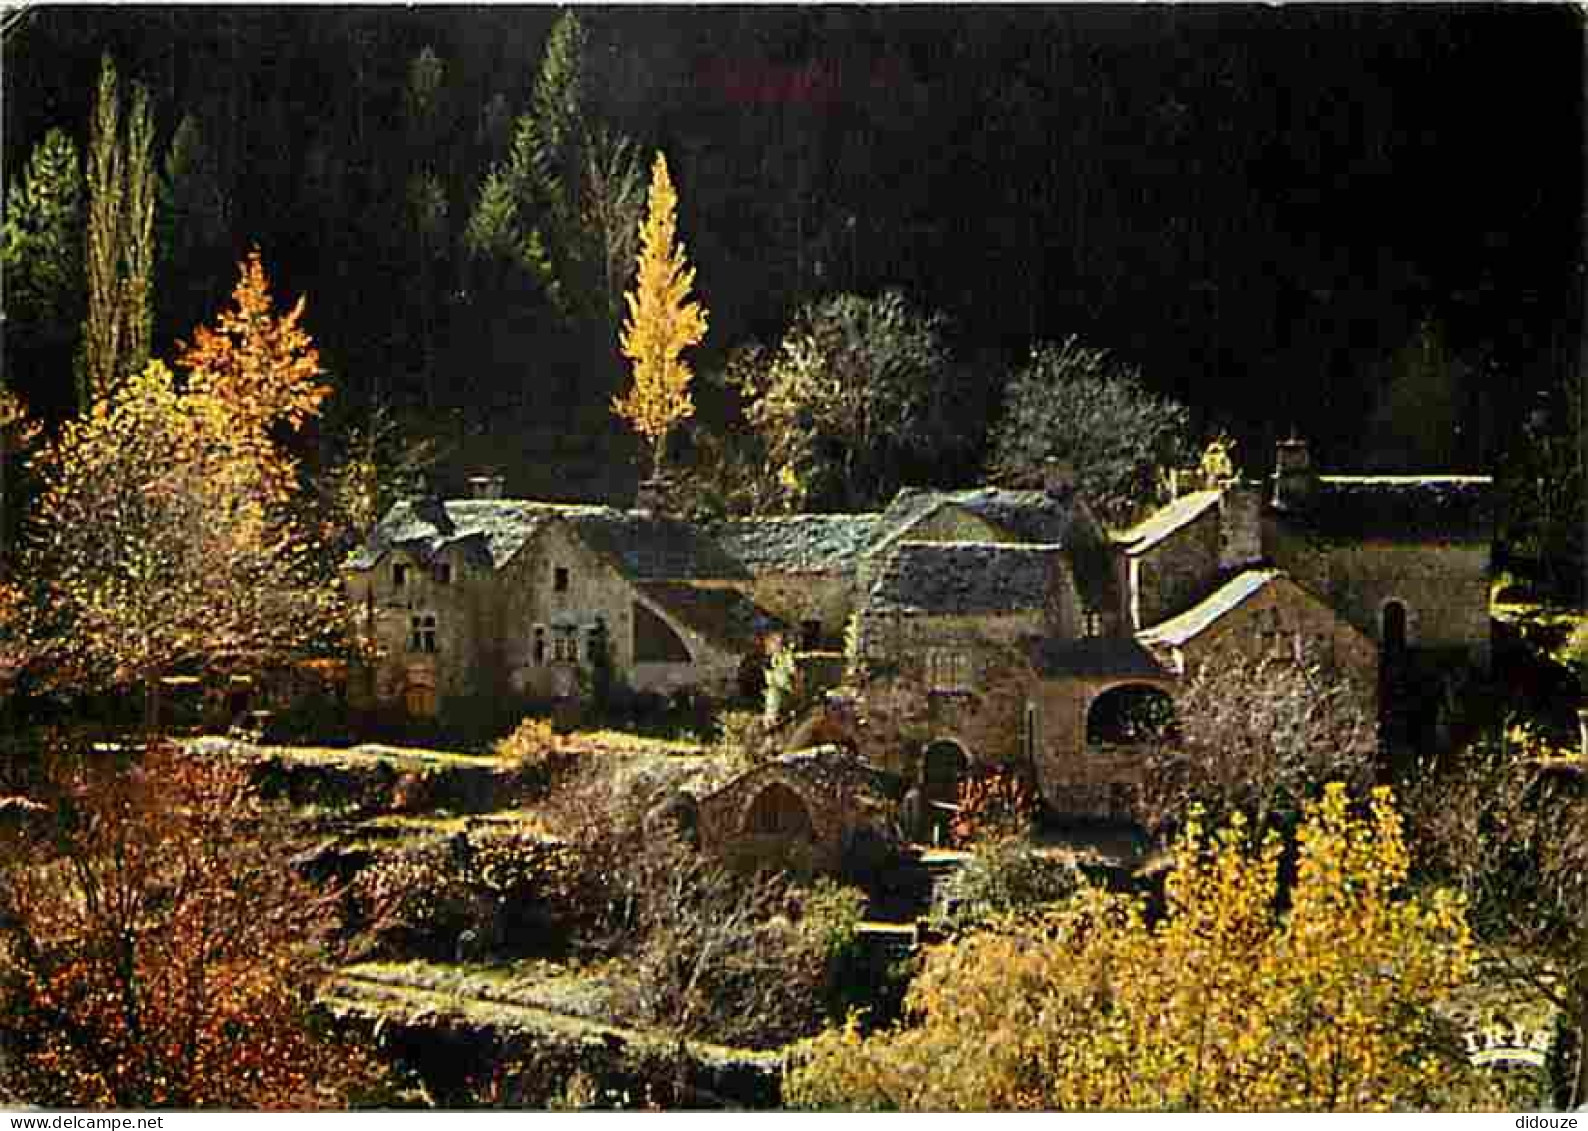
x: 799, y: 543
x: 1166, y: 520
x: 652, y: 547
x: 726, y: 617
x: 1194, y: 621
x: 1117, y: 656
x: 961, y: 578
x: 1028, y: 516
x: 492, y: 530
x: 1398, y: 507
x: 645, y: 546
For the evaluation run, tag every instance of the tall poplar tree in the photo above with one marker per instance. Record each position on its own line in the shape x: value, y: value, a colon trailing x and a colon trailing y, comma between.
x: 120, y: 246
x: 663, y: 322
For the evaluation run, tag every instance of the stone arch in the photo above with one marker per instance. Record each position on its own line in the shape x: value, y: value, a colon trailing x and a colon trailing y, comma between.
x: 777, y: 809
x: 1128, y: 713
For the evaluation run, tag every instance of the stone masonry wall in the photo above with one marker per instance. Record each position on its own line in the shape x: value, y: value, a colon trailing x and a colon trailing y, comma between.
x: 1177, y: 572
x: 485, y: 623
x: 1280, y: 617
x: 1073, y: 778
x: 902, y: 712
x: 722, y: 817
x: 1444, y: 586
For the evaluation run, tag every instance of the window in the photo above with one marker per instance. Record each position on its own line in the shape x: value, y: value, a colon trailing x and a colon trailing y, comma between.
x: 565, y: 646
x: 423, y: 636
x: 1092, y: 622
x: 539, y: 652
x: 594, y: 644
x: 399, y: 575
x: 559, y: 579
x: 947, y: 671
x: 810, y: 635
x: 1272, y: 633
x: 443, y: 573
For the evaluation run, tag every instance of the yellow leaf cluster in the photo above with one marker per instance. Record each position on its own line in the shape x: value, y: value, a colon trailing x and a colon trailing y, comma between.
x: 1226, y: 1002
x: 261, y: 366
x: 662, y: 322
x: 158, y: 538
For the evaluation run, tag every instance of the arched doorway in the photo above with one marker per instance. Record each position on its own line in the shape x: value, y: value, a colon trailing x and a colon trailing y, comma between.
x: 1129, y: 714
x: 778, y: 811
x: 1392, y: 634
x: 943, y: 766
x: 1402, y: 714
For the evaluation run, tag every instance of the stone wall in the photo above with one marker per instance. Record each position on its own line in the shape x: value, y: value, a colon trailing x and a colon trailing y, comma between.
x: 1073, y: 778
x: 1240, y: 526
x: 902, y: 712
x: 1178, y: 572
x: 1284, y: 617
x: 1444, y: 587
x: 795, y: 598
x: 463, y: 608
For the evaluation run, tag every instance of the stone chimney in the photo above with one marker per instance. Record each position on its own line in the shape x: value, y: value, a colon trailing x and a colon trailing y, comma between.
x: 485, y: 486
x: 1240, y: 526
x: 1058, y: 476
x: 653, y: 495
x: 1294, y: 477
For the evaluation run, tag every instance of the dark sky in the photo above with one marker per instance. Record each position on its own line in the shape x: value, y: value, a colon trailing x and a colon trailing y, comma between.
x: 1257, y: 205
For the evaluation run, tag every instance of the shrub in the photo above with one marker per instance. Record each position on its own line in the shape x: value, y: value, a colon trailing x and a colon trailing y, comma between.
x: 537, y: 752
x: 507, y: 891
x: 415, y: 903
x: 741, y: 736
x: 1218, y: 1006
x: 1006, y: 876
x: 993, y: 805
x: 783, y: 685
x: 754, y: 962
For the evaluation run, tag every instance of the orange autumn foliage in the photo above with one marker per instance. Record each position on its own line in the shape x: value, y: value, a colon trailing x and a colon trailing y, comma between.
x: 157, y: 951
x: 263, y: 366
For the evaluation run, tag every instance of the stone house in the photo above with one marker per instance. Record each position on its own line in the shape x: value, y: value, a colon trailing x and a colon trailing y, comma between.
x: 477, y: 600
x: 989, y: 626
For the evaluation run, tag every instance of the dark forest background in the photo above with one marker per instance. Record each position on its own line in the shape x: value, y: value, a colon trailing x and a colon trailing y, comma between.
x: 1258, y: 206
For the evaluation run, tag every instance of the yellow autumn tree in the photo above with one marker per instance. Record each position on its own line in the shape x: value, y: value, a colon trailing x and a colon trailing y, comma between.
x: 262, y: 367
x: 663, y: 322
x: 1225, y: 1003
x: 156, y: 544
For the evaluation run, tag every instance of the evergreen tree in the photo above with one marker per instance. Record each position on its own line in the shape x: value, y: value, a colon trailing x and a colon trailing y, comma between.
x: 41, y: 249
x: 663, y: 322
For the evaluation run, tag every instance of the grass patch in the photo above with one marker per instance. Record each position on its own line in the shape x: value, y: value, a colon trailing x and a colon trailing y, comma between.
x: 607, y: 741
